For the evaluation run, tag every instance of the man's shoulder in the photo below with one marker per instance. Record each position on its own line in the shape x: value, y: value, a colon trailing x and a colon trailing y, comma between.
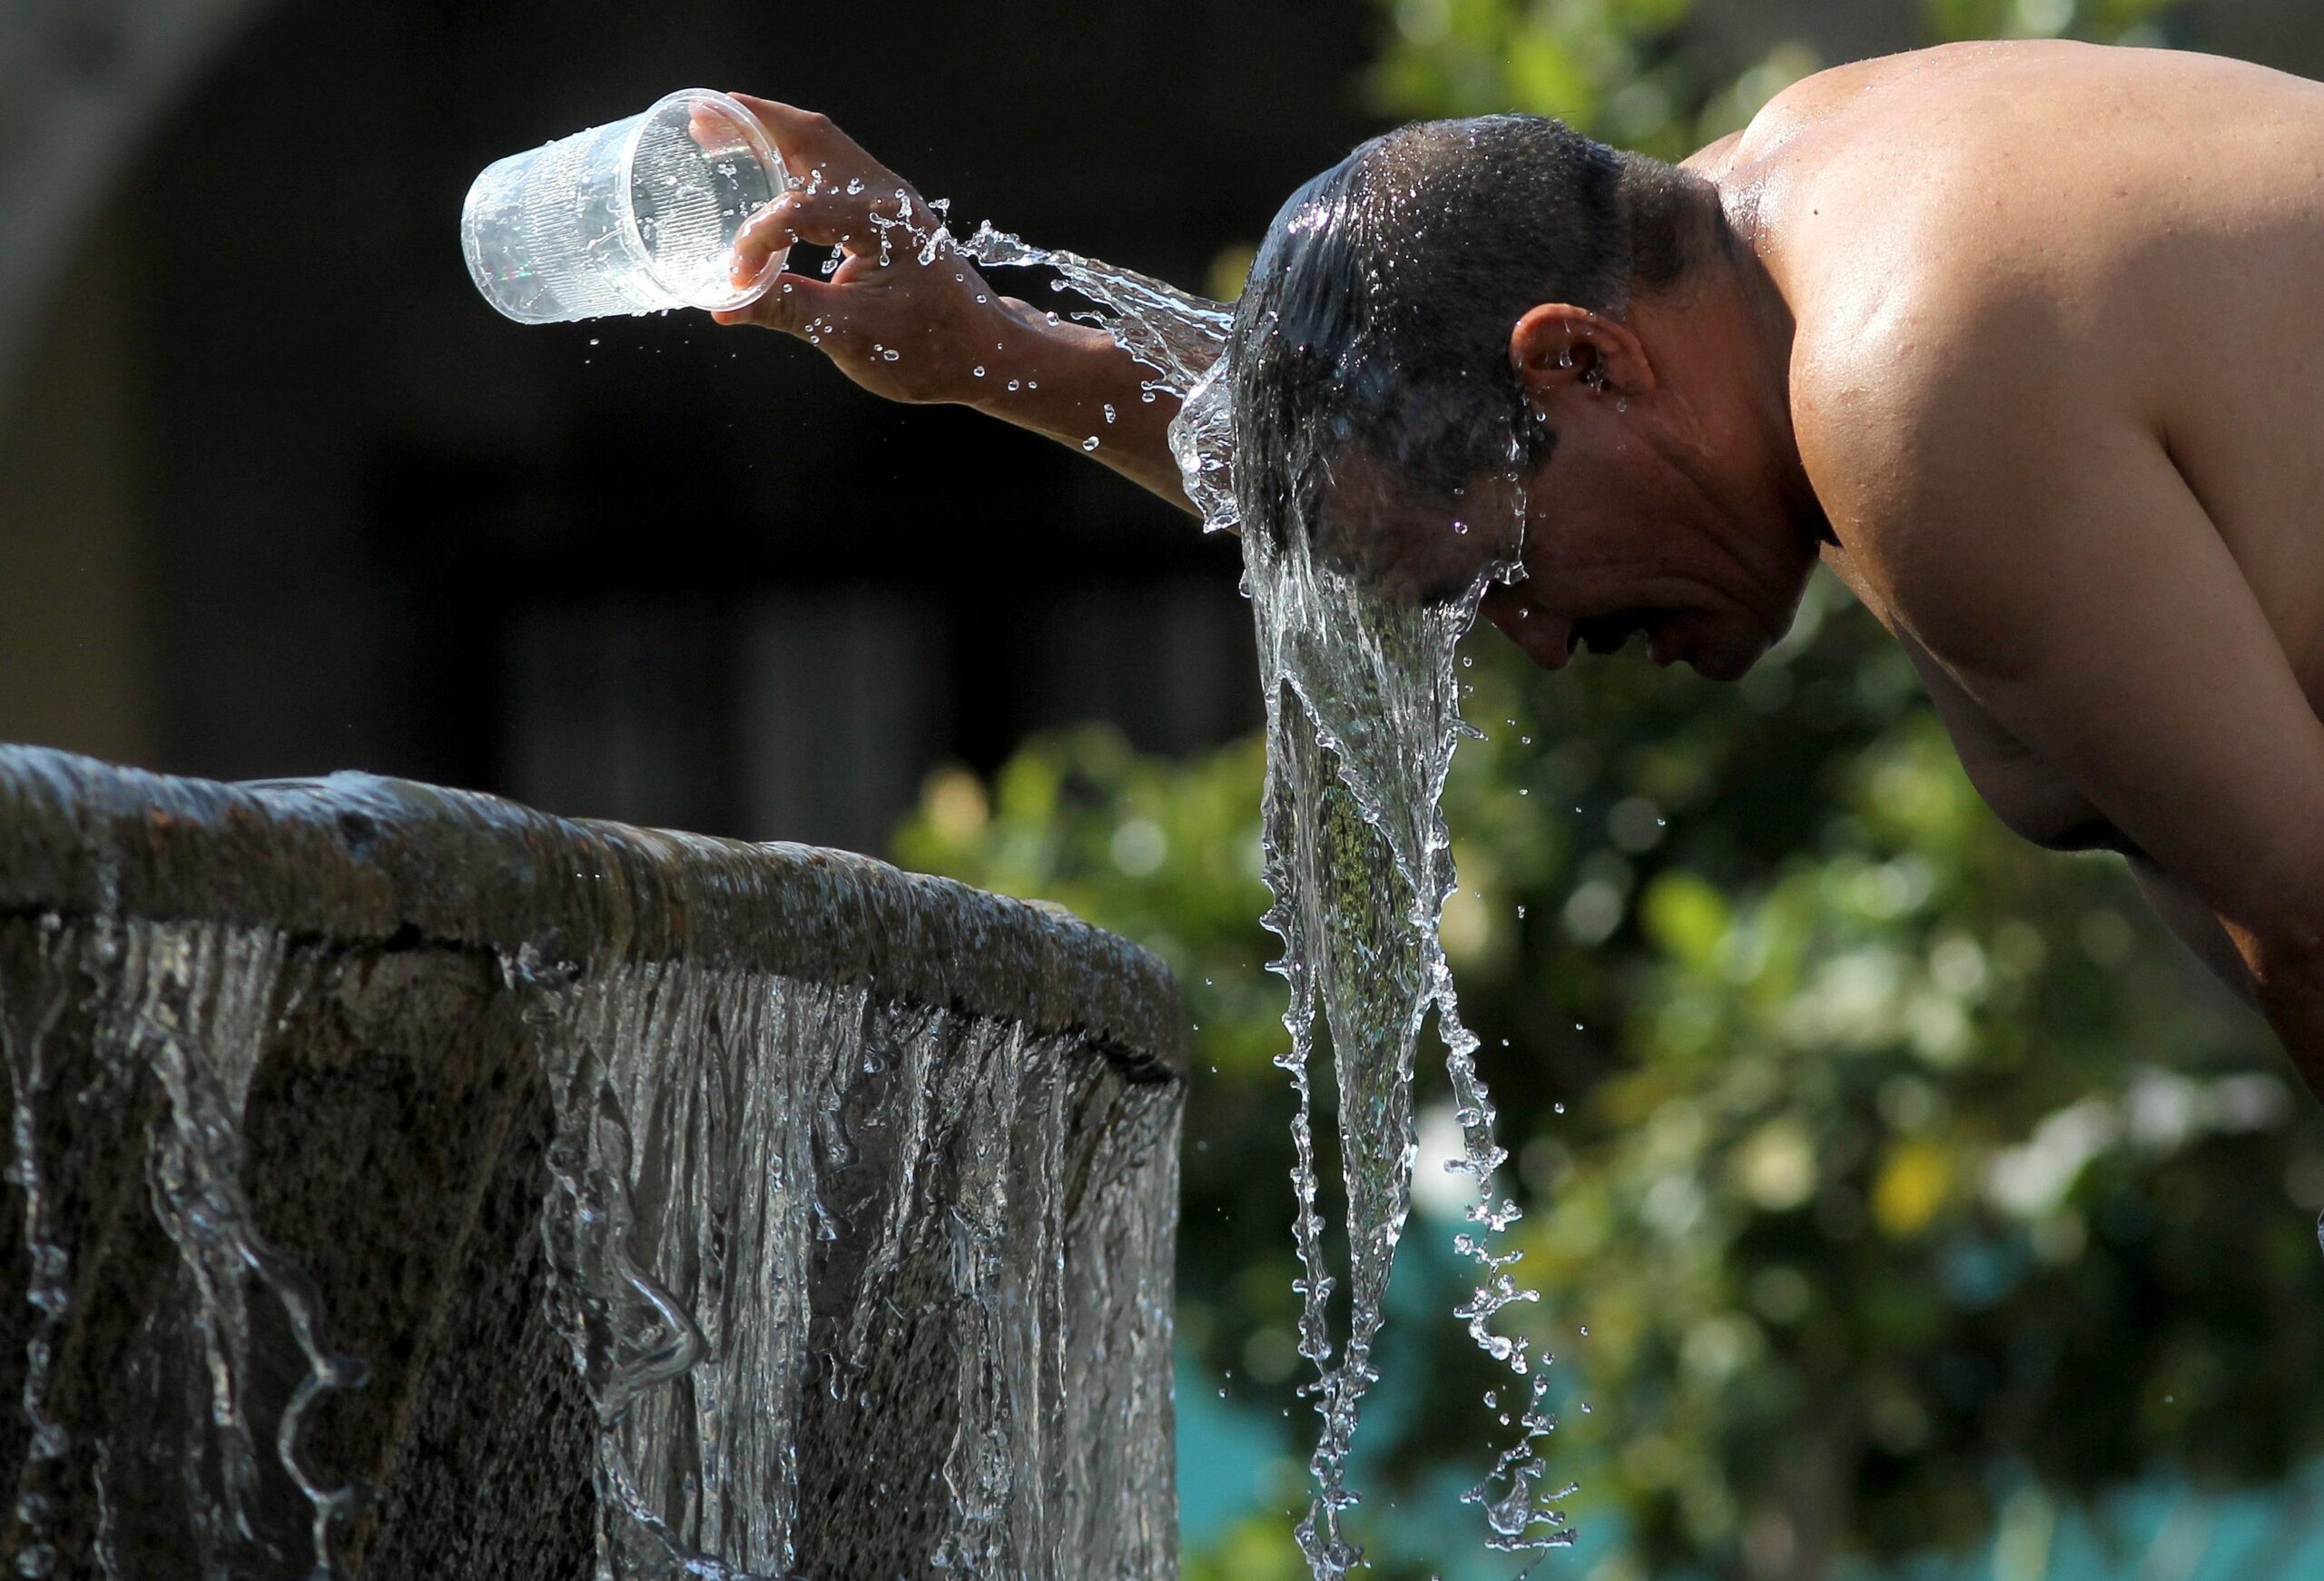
x: 1893, y: 376
x: 1935, y: 415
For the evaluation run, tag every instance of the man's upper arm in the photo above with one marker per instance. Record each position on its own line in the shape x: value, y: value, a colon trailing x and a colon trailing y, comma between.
x: 2056, y: 563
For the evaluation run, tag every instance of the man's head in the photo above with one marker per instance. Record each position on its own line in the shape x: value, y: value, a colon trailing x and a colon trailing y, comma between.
x: 1463, y: 320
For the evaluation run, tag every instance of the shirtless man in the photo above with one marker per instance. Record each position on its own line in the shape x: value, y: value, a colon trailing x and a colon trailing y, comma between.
x: 2024, y: 341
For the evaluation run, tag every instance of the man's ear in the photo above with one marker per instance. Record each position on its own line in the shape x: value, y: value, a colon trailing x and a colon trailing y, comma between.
x: 1557, y: 347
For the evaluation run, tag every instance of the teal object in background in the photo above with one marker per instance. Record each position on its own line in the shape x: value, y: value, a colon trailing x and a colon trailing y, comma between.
x: 1223, y: 1453
x: 1233, y: 1457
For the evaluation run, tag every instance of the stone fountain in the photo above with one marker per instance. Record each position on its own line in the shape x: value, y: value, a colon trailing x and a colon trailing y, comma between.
x: 403, y: 1183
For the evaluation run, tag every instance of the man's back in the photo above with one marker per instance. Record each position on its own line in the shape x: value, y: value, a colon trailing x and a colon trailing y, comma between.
x: 2023, y: 228
x: 2058, y: 380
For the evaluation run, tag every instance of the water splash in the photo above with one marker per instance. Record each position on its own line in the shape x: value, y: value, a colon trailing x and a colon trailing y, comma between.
x: 1176, y: 333
x: 1363, y: 716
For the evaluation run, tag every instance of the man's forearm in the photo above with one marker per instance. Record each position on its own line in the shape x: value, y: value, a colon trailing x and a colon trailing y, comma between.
x: 1074, y: 384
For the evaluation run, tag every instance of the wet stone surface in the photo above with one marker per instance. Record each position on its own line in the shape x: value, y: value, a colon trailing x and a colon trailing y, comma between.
x: 407, y: 1183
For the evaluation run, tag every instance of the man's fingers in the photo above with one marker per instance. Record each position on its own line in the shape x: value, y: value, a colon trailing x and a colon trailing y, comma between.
x: 794, y: 304
x: 762, y: 235
x: 797, y: 217
x: 829, y: 216
x: 805, y: 139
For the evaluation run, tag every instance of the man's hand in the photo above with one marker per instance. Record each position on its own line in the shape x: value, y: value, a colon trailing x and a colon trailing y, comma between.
x: 905, y: 315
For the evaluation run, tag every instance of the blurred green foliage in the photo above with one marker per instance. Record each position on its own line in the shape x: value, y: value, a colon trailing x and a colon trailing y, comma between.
x: 1642, y: 73
x: 1886, y: 1162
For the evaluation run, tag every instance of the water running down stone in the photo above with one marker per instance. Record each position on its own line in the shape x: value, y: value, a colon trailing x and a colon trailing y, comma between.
x: 854, y: 1260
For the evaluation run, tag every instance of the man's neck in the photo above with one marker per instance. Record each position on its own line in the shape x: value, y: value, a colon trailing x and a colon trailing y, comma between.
x: 1752, y: 289
x: 1724, y: 331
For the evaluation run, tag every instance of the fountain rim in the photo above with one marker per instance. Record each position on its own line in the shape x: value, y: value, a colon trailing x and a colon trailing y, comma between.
x: 361, y: 858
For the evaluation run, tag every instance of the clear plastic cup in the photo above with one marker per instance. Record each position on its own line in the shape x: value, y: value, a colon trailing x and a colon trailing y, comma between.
x: 633, y: 217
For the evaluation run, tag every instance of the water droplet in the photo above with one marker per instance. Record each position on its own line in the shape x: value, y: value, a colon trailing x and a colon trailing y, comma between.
x: 978, y: 371
x: 1088, y: 444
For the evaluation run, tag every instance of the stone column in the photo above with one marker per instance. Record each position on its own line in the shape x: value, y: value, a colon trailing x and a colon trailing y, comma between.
x: 408, y: 1184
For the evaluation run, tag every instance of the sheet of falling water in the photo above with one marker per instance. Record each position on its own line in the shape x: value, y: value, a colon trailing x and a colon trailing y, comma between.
x: 1363, y: 716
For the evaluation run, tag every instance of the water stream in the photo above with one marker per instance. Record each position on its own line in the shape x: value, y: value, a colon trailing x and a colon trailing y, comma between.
x: 1363, y: 716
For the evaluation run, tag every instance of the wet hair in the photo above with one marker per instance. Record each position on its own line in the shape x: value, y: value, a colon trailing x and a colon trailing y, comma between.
x: 1378, y: 312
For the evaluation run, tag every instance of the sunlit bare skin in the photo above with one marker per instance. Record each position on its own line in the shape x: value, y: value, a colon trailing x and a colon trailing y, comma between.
x: 2056, y: 380
x: 2024, y: 341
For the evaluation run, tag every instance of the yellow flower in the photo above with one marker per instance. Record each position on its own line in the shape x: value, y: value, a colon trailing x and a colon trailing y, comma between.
x: 1912, y: 1187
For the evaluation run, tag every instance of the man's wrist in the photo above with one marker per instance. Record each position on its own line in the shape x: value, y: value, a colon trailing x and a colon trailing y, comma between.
x: 1033, y: 364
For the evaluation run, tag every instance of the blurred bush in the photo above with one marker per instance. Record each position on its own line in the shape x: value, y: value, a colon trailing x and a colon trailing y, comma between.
x: 1876, y: 1162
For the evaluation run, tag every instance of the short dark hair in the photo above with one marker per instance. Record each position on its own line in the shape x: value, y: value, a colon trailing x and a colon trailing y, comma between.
x: 1378, y: 311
